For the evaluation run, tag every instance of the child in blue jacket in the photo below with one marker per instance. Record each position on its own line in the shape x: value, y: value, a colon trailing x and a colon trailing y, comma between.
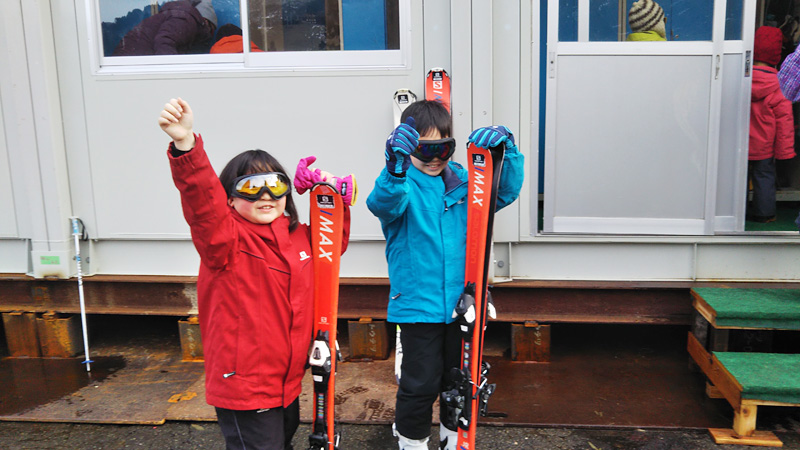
x: 420, y: 199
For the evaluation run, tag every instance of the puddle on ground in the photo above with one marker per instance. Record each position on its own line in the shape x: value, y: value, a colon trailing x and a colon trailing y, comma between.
x: 31, y: 382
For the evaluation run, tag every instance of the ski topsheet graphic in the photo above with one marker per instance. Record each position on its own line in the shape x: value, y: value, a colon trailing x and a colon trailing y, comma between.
x: 402, y: 98
x: 327, y: 217
x: 471, y: 396
x: 437, y: 86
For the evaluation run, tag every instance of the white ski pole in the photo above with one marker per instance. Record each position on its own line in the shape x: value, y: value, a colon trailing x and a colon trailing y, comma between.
x: 76, y: 234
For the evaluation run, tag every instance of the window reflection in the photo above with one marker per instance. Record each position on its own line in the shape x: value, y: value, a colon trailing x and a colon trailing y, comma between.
x: 568, y: 20
x: 734, y: 11
x: 149, y: 27
x: 295, y: 25
x: 647, y: 21
x: 686, y: 20
x: 230, y: 40
x: 308, y: 25
x: 178, y: 27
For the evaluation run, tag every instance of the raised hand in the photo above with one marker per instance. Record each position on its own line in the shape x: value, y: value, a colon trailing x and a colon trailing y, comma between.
x: 399, y: 145
x: 493, y: 136
x: 176, y: 120
x: 305, y: 178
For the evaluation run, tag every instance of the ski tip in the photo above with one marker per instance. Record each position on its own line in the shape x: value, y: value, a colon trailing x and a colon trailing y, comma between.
x: 325, y: 183
x: 402, y: 98
x: 405, y: 92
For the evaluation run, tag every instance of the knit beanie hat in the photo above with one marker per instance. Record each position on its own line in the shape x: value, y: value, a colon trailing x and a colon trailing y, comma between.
x: 206, y: 10
x: 767, y: 45
x: 646, y: 15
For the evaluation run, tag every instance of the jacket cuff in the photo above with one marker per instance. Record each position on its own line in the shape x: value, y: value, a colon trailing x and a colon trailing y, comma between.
x: 175, y: 153
x: 393, y: 178
x: 512, y: 149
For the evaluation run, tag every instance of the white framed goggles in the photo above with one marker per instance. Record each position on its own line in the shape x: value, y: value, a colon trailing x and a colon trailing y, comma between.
x: 252, y: 187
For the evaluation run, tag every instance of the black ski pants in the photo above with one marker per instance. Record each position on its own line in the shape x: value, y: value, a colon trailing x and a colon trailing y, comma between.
x: 268, y: 429
x: 430, y: 350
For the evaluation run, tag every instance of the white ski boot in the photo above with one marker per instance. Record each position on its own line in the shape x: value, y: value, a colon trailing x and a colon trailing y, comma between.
x: 447, y: 438
x: 410, y: 444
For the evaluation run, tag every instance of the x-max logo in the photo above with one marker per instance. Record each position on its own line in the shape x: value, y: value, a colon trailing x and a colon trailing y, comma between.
x: 478, y: 164
x: 325, y: 230
x: 477, y: 190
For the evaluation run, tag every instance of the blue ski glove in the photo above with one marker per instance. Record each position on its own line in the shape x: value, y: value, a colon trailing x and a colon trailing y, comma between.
x: 493, y: 136
x: 399, y: 146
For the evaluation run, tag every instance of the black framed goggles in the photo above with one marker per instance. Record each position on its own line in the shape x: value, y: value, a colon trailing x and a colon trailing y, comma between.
x: 252, y: 187
x: 443, y: 149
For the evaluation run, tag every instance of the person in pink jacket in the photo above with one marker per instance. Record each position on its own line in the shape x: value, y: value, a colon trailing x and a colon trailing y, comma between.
x: 255, y: 287
x: 771, y: 125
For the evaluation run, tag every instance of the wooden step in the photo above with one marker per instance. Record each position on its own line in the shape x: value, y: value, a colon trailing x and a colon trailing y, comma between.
x: 746, y: 381
x: 776, y: 309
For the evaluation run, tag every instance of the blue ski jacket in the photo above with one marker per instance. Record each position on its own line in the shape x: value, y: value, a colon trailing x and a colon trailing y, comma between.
x: 424, y: 221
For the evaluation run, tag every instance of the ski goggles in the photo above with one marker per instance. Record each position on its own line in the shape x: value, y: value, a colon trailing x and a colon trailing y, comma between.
x: 443, y: 149
x: 252, y: 187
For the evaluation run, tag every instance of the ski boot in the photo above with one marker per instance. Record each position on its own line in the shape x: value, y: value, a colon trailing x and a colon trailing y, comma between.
x: 447, y: 438
x: 409, y: 444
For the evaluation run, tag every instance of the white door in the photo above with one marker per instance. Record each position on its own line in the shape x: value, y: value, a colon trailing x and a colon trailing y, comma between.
x: 632, y: 128
x: 735, y: 116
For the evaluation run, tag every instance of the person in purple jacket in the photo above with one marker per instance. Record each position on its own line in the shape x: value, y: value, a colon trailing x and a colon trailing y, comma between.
x: 179, y: 26
x: 789, y: 78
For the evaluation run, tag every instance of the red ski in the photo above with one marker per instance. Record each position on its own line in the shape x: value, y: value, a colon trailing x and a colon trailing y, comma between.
x: 474, y: 390
x: 437, y: 86
x: 327, y: 217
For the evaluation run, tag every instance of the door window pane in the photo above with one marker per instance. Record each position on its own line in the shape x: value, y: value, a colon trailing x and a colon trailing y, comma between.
x: 686, y: 20
x: 733, y: 20
x: 607, y: 21
x: 568, y: 20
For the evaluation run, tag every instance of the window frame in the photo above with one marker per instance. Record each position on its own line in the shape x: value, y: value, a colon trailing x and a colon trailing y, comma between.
x: 323, y: 60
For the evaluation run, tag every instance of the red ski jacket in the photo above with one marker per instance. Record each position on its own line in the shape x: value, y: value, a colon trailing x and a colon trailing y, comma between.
x: 771, y: 120
x: 254, y: 292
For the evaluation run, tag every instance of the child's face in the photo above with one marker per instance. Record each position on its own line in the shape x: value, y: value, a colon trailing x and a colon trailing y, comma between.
x: 436, y: 166
x: 262, y: 211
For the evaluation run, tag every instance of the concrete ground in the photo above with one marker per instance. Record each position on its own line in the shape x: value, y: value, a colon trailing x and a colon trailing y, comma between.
x: 206, y: 435
x: 149, y: 382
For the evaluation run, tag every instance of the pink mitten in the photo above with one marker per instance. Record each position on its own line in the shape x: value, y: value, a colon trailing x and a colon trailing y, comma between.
x: 305, y: 178
x: 347, y: 187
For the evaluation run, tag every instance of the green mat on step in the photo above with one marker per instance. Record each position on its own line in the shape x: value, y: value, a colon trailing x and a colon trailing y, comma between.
x: 754, y: 308
x: 765, y: 376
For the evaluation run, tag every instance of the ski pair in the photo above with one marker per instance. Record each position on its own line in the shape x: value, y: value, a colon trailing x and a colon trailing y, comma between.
x: 327, y: 224
x: 437, y: 87
x: 470, y: 396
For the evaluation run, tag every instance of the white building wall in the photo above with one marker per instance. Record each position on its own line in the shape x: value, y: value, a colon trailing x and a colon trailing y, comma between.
x: 78, y: 142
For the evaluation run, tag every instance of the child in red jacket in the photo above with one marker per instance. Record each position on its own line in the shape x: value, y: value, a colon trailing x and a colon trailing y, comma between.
x: 771, y: 125
x: 255, y: 286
